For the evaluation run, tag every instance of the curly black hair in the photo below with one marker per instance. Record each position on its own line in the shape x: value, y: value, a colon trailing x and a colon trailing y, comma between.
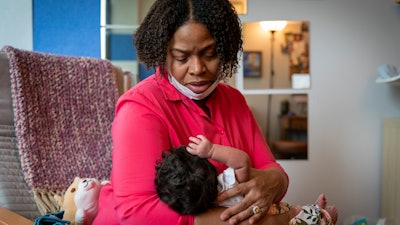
x: 187, y: 183
x: 166, y: 16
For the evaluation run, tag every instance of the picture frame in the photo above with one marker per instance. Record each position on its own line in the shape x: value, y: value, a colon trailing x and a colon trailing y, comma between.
x: 252, y: 63
x: 240, y: 6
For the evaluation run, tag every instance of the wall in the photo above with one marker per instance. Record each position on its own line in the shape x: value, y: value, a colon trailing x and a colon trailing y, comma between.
x: 67, y: 27
x: 16, y: 24
x: 349, y: 40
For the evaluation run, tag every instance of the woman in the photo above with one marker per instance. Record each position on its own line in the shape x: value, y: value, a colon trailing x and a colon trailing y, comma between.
x: 194, y: 45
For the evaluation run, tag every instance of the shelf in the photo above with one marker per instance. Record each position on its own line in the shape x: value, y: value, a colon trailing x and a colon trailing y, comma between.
x: 393, y: 80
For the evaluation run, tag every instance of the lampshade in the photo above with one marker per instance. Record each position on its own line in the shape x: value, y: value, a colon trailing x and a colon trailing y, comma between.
x: 273, y: 25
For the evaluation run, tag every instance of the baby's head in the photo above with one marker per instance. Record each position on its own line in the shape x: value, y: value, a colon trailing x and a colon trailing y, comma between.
x: 187, y: 183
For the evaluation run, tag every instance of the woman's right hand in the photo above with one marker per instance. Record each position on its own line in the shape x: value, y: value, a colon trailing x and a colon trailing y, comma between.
x: 263, y: 188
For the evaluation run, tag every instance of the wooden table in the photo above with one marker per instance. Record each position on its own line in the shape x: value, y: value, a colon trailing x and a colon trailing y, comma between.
x: 8, y: 217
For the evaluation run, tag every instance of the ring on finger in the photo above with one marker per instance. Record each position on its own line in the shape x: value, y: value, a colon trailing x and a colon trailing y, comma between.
x: 256, y: 209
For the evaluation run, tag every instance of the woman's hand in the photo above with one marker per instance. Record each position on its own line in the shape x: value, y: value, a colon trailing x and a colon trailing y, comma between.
x: 264, y: 188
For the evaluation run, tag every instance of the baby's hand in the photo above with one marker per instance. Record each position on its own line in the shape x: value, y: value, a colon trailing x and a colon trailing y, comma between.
x: 200, y: 146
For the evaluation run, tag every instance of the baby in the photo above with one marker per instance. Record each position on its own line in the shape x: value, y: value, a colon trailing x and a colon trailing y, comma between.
x: 189, y: 183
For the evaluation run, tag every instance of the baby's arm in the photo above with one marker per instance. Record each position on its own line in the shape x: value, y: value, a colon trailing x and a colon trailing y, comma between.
x: 232, y: 157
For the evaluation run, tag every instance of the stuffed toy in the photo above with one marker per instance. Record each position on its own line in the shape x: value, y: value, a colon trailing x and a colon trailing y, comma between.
x: 80, y: 201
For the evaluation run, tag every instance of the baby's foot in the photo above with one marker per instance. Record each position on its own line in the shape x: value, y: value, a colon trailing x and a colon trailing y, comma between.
x: 304, y: 213
x: 321, y: 201
x: 332, y: 213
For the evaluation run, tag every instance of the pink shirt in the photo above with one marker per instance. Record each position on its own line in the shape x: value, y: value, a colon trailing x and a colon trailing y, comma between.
x: 153, y: 117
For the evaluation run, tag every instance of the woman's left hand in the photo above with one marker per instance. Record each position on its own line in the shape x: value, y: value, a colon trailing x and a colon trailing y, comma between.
x: 263, y: 189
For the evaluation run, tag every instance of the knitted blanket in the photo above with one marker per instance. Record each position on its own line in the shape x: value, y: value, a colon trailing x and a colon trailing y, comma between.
x: 63, y: 110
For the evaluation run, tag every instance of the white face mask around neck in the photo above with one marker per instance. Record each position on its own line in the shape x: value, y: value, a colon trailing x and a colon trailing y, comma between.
x: 189, y: 93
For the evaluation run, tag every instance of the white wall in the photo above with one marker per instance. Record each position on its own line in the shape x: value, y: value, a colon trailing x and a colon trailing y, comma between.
x: 349, y: 40
x: 16, y: 24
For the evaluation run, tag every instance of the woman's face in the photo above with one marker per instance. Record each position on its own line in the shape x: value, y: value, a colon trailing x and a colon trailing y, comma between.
x: 192, y: 58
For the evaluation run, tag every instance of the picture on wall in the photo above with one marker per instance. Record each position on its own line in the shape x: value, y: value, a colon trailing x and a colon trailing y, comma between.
x: 240, y: 6
x: 297, y: 47
x: 252, y: 63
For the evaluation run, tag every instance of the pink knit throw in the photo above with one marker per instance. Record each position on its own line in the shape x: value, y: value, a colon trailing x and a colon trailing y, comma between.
x: 63, y: 110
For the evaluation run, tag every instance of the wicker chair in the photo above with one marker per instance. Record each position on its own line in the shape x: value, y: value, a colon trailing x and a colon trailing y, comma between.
x: 55, y: 122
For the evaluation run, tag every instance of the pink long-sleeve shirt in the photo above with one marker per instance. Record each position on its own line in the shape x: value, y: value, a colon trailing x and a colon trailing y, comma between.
x: 153, y: 117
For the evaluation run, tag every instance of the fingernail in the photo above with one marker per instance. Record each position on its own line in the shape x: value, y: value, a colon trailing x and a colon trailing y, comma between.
x: 222, y: 217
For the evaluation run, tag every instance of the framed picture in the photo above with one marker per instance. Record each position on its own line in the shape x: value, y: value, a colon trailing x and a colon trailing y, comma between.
x: 252, y: 64
x: 240, y: 6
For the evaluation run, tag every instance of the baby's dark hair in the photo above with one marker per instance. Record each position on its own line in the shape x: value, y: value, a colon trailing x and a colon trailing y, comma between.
x: 166, y: 16
x: 187, y: 183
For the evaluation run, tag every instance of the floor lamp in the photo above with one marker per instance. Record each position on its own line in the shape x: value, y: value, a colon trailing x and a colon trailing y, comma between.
x: 272, y: 27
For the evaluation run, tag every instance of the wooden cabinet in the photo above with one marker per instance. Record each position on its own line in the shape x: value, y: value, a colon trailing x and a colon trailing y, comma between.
x: 293, y: 127
x: 293, y: 138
